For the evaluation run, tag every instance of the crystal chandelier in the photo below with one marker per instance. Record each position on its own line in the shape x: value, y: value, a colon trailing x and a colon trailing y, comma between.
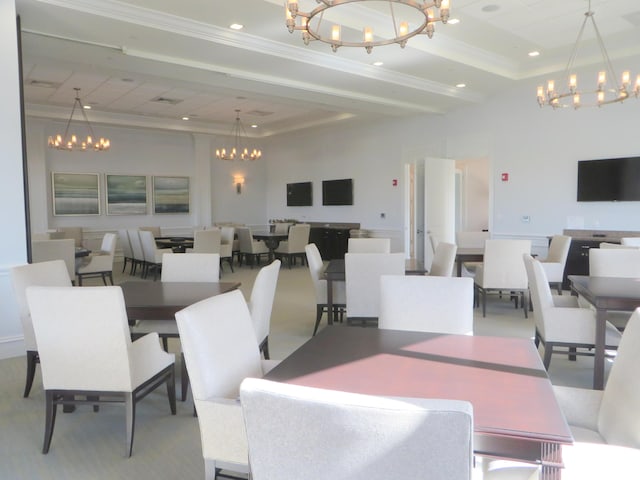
x: 598, y: 96
x: 315, y: 27
x: 72, y: 141
x: 238, y: 131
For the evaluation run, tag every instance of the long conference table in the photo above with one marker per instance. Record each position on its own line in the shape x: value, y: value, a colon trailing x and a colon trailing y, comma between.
x: 516, y: 415
x: 605, y: 293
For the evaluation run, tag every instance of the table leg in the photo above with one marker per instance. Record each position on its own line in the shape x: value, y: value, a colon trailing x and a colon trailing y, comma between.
x: 598, y: 367
x: 551, y: 462
x: 459, y: 268
x: 329, y: 301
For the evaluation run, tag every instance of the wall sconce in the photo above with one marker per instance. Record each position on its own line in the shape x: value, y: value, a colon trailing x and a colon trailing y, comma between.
x: 239, y: 181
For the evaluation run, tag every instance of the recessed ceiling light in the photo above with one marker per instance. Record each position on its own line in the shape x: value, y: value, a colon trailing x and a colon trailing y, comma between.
x: 185, y: 118
x: 453, y: 21
x: 535, y: 53
x: 461, y: 85
x: 378, y: 64
x: 490, y: 8
x: 236, y: 26
x: 254, y: 126
x: 87, y: 107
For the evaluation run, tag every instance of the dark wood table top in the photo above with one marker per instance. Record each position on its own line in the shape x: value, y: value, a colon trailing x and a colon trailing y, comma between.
x: 608, y: 293
x: 605, y: 293
x: 335, y: 270
x: 270, y: 235
x: 82, y: 252
x: 161, y: 300
x: 515, y: 409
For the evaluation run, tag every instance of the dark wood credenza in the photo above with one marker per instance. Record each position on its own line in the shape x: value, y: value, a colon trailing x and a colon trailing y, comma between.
x: 581, y: 242
x: 331, y: 238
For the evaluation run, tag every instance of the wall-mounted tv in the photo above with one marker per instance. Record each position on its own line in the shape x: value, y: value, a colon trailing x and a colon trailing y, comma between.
x: 612, y: 179
x: 299, y: 194
x: 337, y: 192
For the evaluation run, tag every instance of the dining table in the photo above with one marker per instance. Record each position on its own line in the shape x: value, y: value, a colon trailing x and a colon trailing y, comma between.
x: 516, y: 414
x: 271, y: 240
x: 334, y: 271
x: 161, y: 300
x: 605, y: 294
x: 177, y: 244
x: 468, y: 254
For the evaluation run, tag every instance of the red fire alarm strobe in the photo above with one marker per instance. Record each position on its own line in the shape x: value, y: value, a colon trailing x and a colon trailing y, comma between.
x: 395, y: 182
x: 505, y: 177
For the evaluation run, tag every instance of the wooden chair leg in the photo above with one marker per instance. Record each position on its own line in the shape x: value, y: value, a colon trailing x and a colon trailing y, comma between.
x: 319, y: 309
x: 548, y: 350
x: 32, y: 360
x: 184, y: 378
x: 50, y: 420
x: 130, y: 418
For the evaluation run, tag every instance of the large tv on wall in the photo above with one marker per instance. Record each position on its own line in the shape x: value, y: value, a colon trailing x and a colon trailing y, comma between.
x: 299, y: 194
x: 337, y: 192
x: 611, y: 179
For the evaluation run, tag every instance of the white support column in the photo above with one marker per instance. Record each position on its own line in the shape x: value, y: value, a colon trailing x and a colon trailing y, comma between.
x: 202, y: 188
x: 12, y: 212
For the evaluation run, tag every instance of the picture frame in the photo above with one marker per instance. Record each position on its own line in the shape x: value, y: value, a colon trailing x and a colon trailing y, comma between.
x: 75, y: 194
x: 171, y: 195
x: 126, y: 194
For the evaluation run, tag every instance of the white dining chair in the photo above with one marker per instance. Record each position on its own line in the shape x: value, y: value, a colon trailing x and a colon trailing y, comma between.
x: 502, y: 271
x: 369, y: 245
x: 559, y: 321
x: 263, y: 293
x: 152, y: 254
x: 60, y: 249
x: 426, y: 304
x: 227, y: 235
x: 181, y: 268
x: 127, y: 251
x: 393, y: 437
x: 221, y: 350
x: 293, y: 247
x: 444, y: 259
x: 316, y: 267
x: 556, y: 260
x: 100, y: 263
x: 53, y: 273
x: 206, y: 241
x: 362, y: 279
x: 87, y: 356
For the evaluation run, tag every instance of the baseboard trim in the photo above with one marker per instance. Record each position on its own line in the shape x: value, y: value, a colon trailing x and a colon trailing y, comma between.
x: 11, y: 347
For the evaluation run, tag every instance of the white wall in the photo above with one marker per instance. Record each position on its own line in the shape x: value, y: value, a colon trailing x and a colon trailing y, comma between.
x: 373, y: 154
x: 538, y: 148
x: 137, y: 151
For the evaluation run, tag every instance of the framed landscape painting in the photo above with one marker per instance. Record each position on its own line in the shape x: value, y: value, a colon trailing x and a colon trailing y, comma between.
x: 126, y: 194
x: 170, y: 194
x: 75, y: 193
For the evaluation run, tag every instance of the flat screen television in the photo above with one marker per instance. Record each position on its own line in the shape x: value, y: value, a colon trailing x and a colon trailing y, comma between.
x: 611, y: 179
x: 337, y: 192
x: 299, y: 194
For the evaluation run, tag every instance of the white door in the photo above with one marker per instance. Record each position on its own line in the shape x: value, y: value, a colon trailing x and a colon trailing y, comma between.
x: 439, y: 203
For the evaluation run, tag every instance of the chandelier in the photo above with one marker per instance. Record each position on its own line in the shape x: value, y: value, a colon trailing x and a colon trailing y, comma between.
x: 598, y: 96
x: 72, y: 141
x: 315, y: 27
x: 238, y: 131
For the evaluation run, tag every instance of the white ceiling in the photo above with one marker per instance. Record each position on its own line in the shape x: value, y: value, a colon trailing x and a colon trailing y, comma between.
x: 124, y: 54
